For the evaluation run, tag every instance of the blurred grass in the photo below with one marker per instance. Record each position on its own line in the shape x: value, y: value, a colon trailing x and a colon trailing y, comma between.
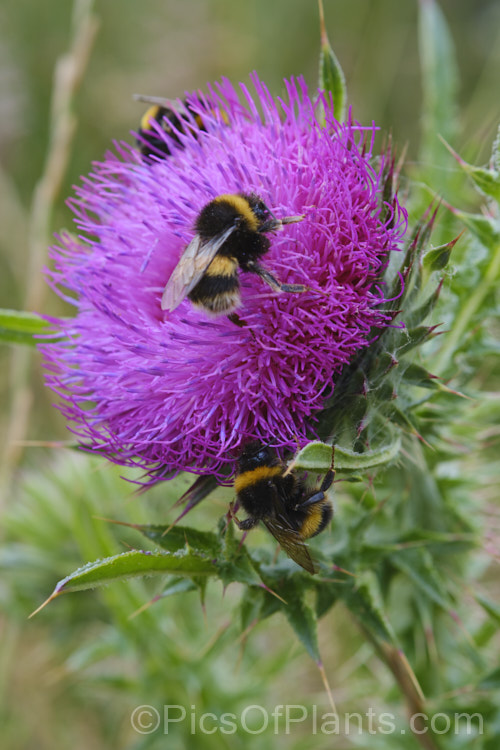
x: 75, y: 661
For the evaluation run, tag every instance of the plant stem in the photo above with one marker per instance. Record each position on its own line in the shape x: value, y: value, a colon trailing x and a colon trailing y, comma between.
x: 398, y: 664
x: 415, y: 701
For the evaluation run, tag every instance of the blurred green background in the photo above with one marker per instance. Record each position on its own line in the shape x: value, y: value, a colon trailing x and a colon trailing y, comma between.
x: 70, y: 677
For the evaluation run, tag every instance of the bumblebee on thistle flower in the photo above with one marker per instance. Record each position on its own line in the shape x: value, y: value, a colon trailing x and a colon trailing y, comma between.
x: 183, y: 390
x: 271, y: 493
x: 230, y: 236
x: 168, y: 118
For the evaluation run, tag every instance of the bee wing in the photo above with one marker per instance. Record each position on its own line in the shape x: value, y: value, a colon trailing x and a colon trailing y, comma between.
x: 193, y: 263
x: 292, y: 543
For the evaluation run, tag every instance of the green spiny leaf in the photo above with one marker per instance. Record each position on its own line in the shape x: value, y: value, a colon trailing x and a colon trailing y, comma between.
x: 437, y: 258
x: 301, y: 616
x: 418, y: 375
x: 131, y: 565
x: 250, y: 606
x: 317, y: 456
x: 412, y: 337
x: 179, y: 537
x: 326, y: 597
x: 238, y: 569
x: 231, y: 560
x: 235, y: 563
x: 364, y: 601
x: 232, y: 544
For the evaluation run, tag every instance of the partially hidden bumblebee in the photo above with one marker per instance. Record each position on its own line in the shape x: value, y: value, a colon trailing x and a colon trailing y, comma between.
x: 267, y: 492
x: 230, y: 235
x: 174, y: 118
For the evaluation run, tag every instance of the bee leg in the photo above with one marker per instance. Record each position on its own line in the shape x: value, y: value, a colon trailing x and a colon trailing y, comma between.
x: 240, y: 323
x: 325, y: 485
x: 230, y: 516
x: 246, y: 524
x: 318, y: 497
x: 327, y: 480
x: 330, y: 474
x: 237, y: 320
x: 276, y: 285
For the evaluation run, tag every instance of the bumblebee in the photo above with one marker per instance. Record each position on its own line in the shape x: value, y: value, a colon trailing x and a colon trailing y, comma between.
x: 173, y: 119
x: 271, y: 494
x: 230, y: 235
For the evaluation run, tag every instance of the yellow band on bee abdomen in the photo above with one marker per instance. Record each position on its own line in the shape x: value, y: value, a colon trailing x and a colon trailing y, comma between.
x: 313, y: 521
x: 149, y: 116
x: 240, y: 204
x: 222, y: 266
x: 248, y: 478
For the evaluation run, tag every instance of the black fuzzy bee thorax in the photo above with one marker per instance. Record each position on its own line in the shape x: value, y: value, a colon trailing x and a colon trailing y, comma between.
x: 246, y: 247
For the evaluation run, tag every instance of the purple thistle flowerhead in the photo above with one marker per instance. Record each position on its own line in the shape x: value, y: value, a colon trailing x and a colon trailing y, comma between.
x: 180, y: 389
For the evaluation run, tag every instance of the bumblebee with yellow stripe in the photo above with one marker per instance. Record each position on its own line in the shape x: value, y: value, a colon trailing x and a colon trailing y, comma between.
x: 172, y: 117
x: 230, y: 236
x: 149, y: 140
x: 268, y: 493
